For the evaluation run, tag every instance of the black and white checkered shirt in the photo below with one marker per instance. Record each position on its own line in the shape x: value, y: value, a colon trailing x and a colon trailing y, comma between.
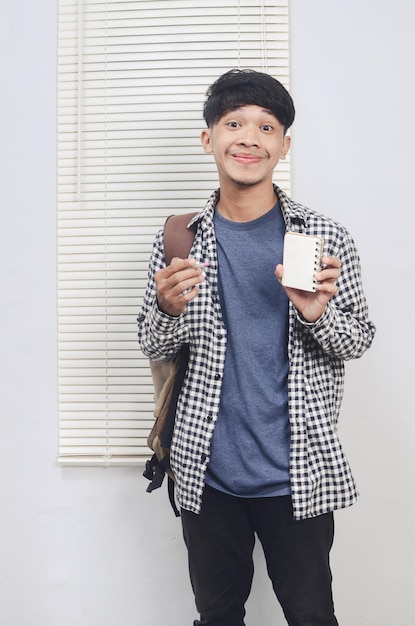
x: 321, y: 479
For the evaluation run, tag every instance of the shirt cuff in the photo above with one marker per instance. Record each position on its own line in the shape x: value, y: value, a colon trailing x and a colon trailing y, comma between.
x: 323, y: 326
x: 166, y: 325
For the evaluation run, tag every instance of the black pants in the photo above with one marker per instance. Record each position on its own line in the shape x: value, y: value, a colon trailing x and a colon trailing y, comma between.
x: 220, y: 542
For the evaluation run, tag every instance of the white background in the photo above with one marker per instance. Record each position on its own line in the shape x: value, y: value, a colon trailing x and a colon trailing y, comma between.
x: 87, y: 546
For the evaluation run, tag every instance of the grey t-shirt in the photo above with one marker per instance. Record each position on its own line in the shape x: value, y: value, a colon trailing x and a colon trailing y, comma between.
x: 250, y: 446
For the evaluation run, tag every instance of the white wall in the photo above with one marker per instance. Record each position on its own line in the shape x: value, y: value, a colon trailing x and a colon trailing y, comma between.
x: 353, y: 159
x: 88, y: 546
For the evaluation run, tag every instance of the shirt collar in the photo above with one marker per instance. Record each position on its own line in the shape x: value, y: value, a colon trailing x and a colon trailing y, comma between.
x: 293, y: 213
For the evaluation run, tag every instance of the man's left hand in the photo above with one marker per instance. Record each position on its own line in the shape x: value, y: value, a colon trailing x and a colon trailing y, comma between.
x: 312, y: 304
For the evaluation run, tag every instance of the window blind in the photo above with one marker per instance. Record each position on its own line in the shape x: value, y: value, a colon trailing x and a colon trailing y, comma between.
x: 132, y: 77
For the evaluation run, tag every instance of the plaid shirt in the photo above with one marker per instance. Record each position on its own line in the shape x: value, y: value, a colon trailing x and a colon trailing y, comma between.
x: 320, y: 475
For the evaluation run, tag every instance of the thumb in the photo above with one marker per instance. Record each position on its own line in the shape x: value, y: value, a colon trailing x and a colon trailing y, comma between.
x: 279, y: 271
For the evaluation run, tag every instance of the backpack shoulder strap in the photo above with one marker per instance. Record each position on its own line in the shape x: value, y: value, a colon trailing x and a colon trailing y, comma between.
x: 178, y: 239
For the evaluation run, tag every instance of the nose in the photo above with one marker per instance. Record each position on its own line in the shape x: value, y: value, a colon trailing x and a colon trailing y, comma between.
x: 249, y: 136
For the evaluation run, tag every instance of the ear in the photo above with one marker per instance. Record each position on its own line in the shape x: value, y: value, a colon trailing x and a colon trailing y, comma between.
x: 205, y: 138
x: 285, y: 146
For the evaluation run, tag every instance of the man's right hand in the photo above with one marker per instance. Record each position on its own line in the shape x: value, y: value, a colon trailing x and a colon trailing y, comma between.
x: 177, y: 285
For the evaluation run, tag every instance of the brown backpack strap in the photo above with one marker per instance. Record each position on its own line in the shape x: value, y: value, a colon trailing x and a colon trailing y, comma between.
x: 178, y: 239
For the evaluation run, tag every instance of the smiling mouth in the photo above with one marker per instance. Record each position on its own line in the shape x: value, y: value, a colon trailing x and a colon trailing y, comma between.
x: 247, y: 158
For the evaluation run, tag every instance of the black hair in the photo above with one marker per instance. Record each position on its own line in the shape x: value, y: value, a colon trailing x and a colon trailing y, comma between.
x: 237, y: 88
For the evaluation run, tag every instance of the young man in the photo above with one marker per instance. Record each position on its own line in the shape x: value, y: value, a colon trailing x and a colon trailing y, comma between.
x: 255, y: 450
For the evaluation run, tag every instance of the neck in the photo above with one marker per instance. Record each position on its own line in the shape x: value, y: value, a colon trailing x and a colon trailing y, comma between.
x: 244, y: 204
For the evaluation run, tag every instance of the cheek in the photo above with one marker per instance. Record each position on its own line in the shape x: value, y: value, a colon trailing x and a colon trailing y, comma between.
x: 220, y: 150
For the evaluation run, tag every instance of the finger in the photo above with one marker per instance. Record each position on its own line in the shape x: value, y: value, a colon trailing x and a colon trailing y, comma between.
x: 328, y: 275
x: 331, y: 261
x: 279, y: 270
x: 173, y: 296
x: 331, y: 270
x: 177, y: 265
x: 178, y: 271
x: 327, y: 290
x: 170, y: 285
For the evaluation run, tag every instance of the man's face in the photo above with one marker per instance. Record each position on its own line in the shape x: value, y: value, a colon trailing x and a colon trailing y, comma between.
x: 247, y: 144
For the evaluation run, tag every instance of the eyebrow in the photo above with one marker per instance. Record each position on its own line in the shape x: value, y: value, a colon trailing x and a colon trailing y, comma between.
x: 266, y: 111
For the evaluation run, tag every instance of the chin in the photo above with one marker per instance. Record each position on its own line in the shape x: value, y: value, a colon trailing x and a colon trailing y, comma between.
x: 245, y: 183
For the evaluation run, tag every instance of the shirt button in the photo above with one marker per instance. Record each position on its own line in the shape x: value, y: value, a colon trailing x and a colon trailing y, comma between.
x: 217, y: 376
x: 203, y: 457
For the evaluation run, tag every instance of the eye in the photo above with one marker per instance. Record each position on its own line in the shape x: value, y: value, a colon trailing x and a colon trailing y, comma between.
x: 267, y: 128
x: 233, y: 124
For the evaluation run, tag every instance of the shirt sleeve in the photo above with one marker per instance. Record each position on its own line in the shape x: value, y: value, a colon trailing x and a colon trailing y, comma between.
x: 344, y: 330
x: 160, y: 336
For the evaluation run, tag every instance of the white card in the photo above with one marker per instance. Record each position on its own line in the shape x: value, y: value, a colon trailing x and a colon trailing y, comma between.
x: 301, y: 260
